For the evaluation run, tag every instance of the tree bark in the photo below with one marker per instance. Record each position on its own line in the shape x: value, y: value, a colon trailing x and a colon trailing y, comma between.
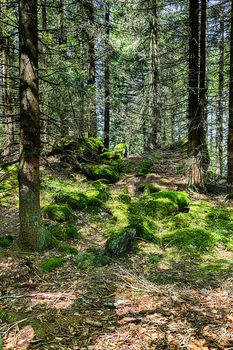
x: 219, y: 109
x: 230, y: 123
x: 29, y: 198
x: 107, y: 78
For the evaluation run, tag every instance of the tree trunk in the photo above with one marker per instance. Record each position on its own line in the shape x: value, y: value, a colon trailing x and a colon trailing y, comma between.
x: 107, y: 78
x: 29, y: 200
x: 7, y: 97
x: 91, y: 82
x: 205, y: 158
x: 230, y: 124
x: 153, y: 83
x: 219, y: 110
x: 195, y: 177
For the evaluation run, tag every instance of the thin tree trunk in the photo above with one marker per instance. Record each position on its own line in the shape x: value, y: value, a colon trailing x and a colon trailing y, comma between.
x: 29, y: 199
x: 107, y: 78
x: 153, y: 84
x: 7, y: 97
x: 205, y: 158
x: 230, y: 124
x: 219, y: 109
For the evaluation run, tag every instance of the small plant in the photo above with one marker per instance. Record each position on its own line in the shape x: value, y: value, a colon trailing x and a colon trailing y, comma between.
x: 66, y: 248
x: 5, y: 241
x: 52, y: 264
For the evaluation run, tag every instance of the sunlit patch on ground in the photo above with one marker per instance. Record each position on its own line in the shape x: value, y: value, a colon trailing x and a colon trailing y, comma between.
x: 57, y: 300
x: 19, y: 339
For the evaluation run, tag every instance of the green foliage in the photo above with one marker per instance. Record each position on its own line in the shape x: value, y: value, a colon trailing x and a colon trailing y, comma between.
x: 8, y: 185
x: 101, y: 171
x: 121, y: 149
x: 125, y: 198
x: 5, y: 241
x: 110, y: 155
x: 66, y: 248
x: 145, y: 167
x: 76, y: 201
x: 90, y: 259
x: 52, y: 264
x: 60, y: 213
x: 100, y: 184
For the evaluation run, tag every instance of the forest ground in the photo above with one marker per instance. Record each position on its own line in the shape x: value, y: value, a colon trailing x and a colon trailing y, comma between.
x: 161, y: 297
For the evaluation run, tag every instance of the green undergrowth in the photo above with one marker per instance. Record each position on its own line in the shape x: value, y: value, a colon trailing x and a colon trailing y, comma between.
x: 64, y: 232
x: 52, y: 264
x: 145, y: 167
x: 8, y: 185
x: 5, y: 241
x: 91, y: 258
x: 59, y: 213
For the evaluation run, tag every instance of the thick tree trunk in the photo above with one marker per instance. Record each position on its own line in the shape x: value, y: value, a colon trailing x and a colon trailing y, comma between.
x: 195, y: 177
x: 219, y: 109
x: 107, y: 78
x: 230, y: 124
x: 29, y: 202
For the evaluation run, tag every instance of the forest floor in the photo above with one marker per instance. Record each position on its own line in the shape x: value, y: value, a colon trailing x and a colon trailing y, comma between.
x: 174, y: 296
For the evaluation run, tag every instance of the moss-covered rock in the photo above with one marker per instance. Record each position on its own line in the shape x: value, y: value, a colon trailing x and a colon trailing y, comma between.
x: 121, y: 149
x: 121, y: 242
x: 52, y: 264
x: 101, y: 171
x: 5, y: 241
x: 62, y: 233
x: 59, y: 213
x: 148, y: 188
x: 76, y: 201
x: 91, y: 258
x: 110, y: 155
x: 145, y: 167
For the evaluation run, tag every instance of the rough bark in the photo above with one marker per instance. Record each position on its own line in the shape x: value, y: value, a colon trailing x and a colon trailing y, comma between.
x: 107, y: 78
x: 29, y: 199
x: 230, y: 124
x: 219, y: 109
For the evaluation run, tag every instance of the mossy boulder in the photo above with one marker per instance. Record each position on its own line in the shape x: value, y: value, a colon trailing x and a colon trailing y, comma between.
x: 164, y: 203
x: 52, y: 264
x: 59, y: 213
x: 121, y: 149
x: 64, y: 232
x: 121, y: 242
x: 5, y: 241
x: 101, y: 171
x: 148, y: 188
x: 91, y: 258
x: 110, y: 155
x: 68, y: 249
x: 76, y: 201
x: 145, y: 167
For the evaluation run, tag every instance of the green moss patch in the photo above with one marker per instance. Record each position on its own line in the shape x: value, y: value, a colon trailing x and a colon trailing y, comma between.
x: 52, y: 264
x: 68, y: 249
x: 64, y: 232
x: 148, y: 188
x: 101, y: 171
x: 5, y: 241
x: 91, y: 258
x: 59, y: 213
x: 145, y: 167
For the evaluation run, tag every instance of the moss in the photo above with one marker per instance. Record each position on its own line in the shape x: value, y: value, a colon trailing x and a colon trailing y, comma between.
x: 8, y: 185
x: 101, y: 171
x: 60, y: 213
x: 122, y: 149
x: 119, y: 211
x: 148, y: 188
x: 62, y: 233
x: 125, y: 198
x: 95, y: 144
x: 100, y: 184
x: 110, y: 155
x: 66, y: 248
x: 76, y: 201
x: 121, y: 242
x: 52, y: 264
x: 5, y: 241
x: 144, y: 167
x: 90, y: 259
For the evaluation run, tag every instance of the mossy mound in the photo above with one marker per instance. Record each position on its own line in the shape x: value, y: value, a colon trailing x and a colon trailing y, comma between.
x: 68, y: 249
x: 121, y: 149
x: 74, y: 149
x: 101, y: 171
x: 149, y: 188
x: 110, y: 155
x: 76, y: 201
x: 59, y: 213
x: 52, y: 264
x: 164, y: 203
x: 64, y: 232
x: 145, y: 167
x: 91, y: 258
x: 121, y: 242
x: 5, y: 241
